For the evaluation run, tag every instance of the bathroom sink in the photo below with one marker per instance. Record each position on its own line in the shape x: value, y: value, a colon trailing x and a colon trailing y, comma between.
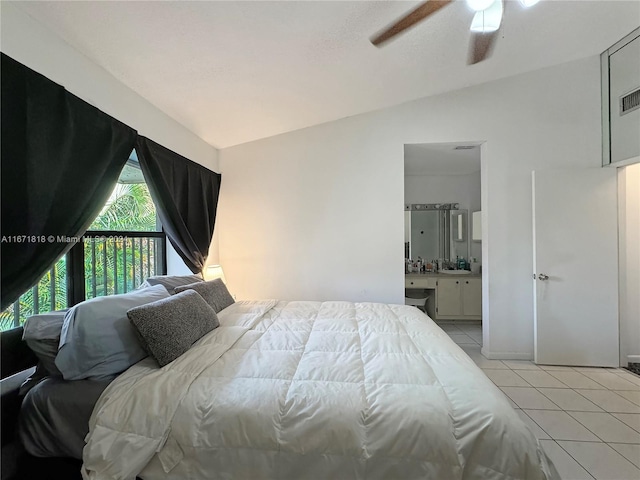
x: 455, y: 272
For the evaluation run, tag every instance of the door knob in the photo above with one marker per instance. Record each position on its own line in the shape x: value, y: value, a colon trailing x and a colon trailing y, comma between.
x: 543, y: 277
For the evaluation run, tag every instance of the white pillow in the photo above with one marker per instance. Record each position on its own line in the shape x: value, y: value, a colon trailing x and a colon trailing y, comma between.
x: 97, y: 340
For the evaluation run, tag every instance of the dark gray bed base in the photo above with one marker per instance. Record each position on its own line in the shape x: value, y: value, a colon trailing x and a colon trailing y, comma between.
x: 16, y: 358
x: 17, y: 363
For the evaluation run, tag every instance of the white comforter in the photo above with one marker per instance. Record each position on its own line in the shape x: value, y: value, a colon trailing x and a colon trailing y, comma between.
x: 310, y: 390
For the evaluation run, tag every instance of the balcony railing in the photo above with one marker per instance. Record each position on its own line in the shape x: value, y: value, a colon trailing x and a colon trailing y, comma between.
x: 117, y: 263
x: 104, y: 263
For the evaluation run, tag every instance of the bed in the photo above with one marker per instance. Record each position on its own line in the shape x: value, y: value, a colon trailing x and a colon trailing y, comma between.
x: 296, y: 390
x: 54, y: 417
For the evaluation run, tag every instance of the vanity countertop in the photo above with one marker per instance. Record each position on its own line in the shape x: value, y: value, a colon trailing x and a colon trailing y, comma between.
x: 441, y: 275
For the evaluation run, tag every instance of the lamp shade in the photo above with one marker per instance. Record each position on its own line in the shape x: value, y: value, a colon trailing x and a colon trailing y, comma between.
x: 211, y: 272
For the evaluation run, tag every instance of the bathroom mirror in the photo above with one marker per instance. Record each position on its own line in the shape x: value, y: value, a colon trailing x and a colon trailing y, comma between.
x: 426, y: 234
x: 436, y: 233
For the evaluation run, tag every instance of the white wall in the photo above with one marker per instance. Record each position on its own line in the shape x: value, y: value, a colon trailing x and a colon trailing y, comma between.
x: 318, y: 213
x: 27, y: 41
x: 462, y: 189
x: 629, y: 248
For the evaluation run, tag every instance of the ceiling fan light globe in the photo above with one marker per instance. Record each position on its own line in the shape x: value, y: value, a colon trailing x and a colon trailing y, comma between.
x: 487, y: 21
x: 528, y: 3
x: 479, y: 5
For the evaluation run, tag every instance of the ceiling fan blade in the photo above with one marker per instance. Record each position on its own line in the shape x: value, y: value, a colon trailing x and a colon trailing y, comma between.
x: 481, y: 46
x: 410, y: 19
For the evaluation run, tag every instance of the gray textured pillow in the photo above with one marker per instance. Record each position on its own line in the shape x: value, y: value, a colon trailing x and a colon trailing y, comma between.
x: 214, y: 292
x: 170, y: 282
x: 167, y: 328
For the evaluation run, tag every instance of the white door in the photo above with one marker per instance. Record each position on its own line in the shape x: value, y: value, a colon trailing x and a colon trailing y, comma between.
x: 575, y: 260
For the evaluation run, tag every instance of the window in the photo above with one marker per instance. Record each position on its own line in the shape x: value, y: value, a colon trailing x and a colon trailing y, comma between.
x: 123, y: 246
x: 50, y: 293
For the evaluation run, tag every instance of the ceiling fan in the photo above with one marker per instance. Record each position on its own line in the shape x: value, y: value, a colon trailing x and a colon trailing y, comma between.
x: 484, y: 28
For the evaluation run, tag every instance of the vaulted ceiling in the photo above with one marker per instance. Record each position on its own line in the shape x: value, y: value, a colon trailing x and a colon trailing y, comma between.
x: 236, y: 71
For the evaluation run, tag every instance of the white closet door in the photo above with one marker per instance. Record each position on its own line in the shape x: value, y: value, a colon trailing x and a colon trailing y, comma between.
x: 575, y: 260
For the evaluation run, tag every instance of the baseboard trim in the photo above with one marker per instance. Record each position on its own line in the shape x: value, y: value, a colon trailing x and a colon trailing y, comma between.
x: 506, y: 355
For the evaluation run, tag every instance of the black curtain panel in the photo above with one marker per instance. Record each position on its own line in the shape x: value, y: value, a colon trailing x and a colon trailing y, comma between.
x: 60, y: 160
x: 186, y: 198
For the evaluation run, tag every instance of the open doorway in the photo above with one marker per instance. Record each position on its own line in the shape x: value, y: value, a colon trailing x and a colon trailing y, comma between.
x: 443, y: 250
x: 629, y: 265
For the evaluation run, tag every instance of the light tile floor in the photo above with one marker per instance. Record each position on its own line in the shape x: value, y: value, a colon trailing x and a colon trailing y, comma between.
x: 587, y: 419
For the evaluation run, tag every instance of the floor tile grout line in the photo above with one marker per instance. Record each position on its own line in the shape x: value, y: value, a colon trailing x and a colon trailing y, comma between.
x: 605, y: 443
x: 534, y: 385
x: 616, y: 392
x: 573, y: 389
x: 554, y: 403
x: 600, y: 383
x: 605, y: 410
x: 637, y: 429
x: 561, y: 439
x: 598, y: 406
x: 576, y: 460
x: 585, y: 376
x: 528, y: 385
x: 602, y: 439
x: 539, y: 426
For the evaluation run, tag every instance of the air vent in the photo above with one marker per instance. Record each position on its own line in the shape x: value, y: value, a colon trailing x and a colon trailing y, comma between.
x: 629, y: 102
x: 464, y: 147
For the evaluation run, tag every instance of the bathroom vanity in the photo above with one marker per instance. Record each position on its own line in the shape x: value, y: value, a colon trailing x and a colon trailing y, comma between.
x: 452, y: 296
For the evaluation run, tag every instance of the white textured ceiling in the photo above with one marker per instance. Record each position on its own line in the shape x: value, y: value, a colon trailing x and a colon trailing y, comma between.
x: 237, y: 71
x: 440, y: 159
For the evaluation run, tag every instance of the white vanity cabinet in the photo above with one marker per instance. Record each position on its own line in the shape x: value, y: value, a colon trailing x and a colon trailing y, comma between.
x: 472, y: 297
x: 456, y: 297
x: 448, y: 298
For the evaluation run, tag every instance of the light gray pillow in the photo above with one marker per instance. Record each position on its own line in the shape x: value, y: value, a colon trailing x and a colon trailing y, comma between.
x: 170, y: 326
x: 97, y: 339
x: 170, y: 282
x: 214, y: 292
x: 42, y: 336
